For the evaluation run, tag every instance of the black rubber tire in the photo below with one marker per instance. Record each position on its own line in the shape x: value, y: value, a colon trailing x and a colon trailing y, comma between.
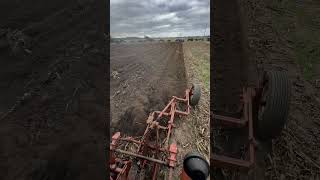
x: 196, y: 93
x: 195, y: 166
x: 272, y: 119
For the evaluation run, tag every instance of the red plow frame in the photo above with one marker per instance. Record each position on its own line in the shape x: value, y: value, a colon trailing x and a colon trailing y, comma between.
x: 120, y: 168
x: 263, y: 110
x: 246, y: 120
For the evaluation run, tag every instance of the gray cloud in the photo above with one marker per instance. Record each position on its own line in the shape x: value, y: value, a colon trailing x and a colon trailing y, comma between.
x: 159, y: 18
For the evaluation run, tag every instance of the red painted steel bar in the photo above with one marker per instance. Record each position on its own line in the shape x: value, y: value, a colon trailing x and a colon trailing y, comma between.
x: 251, y: 136
x: 231, y: 121
x: 172, y: 112
x: 140, y: 156
x: 224, y: 161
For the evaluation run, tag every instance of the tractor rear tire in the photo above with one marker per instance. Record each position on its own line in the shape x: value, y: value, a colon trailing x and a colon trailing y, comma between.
x: 274, y: 105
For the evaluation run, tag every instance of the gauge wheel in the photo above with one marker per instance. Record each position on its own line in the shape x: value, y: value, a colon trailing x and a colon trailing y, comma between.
x: 273, y: 106
x: 195, y: 94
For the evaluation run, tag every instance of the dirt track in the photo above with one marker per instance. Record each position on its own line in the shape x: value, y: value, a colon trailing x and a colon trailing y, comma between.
x: 144, y: 76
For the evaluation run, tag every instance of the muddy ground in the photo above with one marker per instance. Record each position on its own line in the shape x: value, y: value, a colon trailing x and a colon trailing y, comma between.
x: 52, y: 91
x: 271, y: 35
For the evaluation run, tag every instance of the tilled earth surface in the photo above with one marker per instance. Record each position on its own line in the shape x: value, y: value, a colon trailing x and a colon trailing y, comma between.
x: 229, y: 75
x: 283, y: 36
x: 144, y: 76
x: 53, y: 90
x: 278, y: 35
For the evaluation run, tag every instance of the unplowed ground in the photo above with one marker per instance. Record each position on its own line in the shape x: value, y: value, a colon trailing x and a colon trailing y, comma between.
x: 197, y: 124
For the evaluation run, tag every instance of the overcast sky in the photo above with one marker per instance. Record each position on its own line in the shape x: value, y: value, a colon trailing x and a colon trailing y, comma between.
x: 159, y: 18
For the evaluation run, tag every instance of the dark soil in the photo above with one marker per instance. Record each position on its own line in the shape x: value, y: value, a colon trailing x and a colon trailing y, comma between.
x: 279, y: 39
x: 230, y: 59
x: 144, y: 76
x: 232, y: 70
x: 52, y: 91
x: 282, y: 36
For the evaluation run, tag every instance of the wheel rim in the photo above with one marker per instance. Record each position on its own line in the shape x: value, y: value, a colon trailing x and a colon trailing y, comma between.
x: 191, y: 91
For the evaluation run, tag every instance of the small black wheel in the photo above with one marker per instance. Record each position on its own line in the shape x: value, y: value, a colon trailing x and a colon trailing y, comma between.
x: 195, y: 166
x: 195, y: 94
x: 273, y: 105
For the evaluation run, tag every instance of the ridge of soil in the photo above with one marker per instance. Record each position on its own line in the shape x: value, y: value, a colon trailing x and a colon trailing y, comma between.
x: 197, y: 123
